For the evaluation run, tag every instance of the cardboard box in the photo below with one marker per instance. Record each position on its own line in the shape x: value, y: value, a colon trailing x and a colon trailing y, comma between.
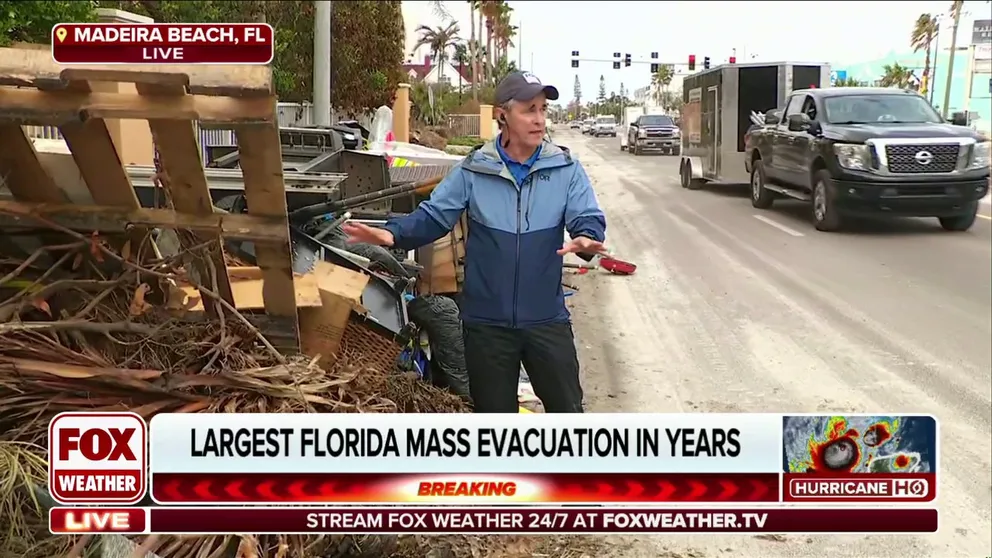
x: 322, y: 327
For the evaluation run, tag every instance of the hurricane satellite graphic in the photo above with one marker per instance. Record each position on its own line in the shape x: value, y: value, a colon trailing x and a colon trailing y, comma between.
x: 859, y: 444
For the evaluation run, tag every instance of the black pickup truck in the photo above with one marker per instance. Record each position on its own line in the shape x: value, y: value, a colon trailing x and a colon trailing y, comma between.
x: 868, y: 151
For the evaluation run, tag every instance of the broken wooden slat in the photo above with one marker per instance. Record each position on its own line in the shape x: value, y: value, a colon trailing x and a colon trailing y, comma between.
x: 35, y: 68
x: 21, y: 170
x: 187, y: 185
x: 110, y: 219
x: 261, y: 165
x: 56, y: 108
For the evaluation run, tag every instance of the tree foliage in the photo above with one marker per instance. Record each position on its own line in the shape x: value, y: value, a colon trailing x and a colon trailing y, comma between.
x: 366, y: 38
x: 31, y: 21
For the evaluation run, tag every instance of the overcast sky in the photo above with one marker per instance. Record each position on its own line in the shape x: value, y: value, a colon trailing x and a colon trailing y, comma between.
x: 808, y: 31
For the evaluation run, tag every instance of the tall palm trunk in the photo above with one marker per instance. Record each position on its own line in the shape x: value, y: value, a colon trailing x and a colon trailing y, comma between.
x: 472, y: 54
x: 479, y: 61
x: 489, y: 49
x: 926, y: 66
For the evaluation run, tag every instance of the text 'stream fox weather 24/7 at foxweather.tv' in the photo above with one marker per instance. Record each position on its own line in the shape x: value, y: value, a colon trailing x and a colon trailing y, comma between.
x: 493, y: 474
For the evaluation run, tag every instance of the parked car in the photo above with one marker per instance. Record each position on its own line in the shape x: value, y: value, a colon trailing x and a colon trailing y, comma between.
x: 575, y: 125
x: 587, y: 125
x: 851, y: 151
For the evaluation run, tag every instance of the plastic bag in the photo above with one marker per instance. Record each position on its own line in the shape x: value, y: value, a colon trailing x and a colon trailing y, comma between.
x: 381, y: 128
x: 438, y: 316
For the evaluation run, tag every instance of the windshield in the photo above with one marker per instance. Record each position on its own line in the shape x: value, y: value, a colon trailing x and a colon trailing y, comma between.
x: 606, y: 120
x: 589, y: 122
x: 657, y: 120
x: 861, y: 109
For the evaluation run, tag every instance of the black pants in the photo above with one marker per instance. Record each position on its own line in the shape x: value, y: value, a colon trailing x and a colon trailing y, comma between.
x: 494, y: 354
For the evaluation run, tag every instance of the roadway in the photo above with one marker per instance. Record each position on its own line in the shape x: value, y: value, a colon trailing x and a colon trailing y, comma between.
x: 734, y: 309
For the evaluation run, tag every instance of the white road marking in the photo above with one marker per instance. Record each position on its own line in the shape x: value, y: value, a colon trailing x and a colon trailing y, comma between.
x: 986, y: 217
x: 779, y: 226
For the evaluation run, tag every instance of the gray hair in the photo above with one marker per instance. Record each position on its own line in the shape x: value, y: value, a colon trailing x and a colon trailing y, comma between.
x: 505, y: 107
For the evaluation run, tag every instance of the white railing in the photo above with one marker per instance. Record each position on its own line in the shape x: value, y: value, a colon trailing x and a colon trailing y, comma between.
x: 463, y: 125
x: 43, y: 132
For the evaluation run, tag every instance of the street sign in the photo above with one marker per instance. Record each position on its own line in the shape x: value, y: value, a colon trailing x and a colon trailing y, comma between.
x: 837, y: 75
x: 981, y: 32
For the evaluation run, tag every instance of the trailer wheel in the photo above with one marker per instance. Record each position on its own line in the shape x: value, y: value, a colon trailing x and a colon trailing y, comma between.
x: 761, y: 197
x: 687, y: 180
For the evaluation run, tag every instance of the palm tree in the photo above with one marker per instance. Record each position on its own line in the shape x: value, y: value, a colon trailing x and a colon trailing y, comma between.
x: 956, y: 7
x: 922, y: 38
x: 897, y: 76
x: 660, y: 81
x: 438, y: 40
x: 472, y: 6
x: 437, y: 6
x: 504, y: 31
x: 462, y: 58
x: 479, y: 76
x: 490, y: 9
x: 850, y: 82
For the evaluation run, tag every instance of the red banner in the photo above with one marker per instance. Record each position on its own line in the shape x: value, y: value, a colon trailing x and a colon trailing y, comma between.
x: 161, y: 43
x: 860, y: 487
x: 309, y: 488
x: 504, y: 520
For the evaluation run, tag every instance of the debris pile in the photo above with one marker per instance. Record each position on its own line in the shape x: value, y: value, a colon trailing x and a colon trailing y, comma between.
x: 86, y: 327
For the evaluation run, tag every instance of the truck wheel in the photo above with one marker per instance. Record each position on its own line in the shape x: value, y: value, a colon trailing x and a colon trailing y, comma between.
x: 960, y: 223
x: 825, y: 215
x: 761, y: 197
x: 623, y: 147
x: 677, y: 151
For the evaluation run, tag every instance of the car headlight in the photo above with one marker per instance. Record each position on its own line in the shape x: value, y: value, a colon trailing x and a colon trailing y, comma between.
x: 981, y: 155
x: 677, y: 133
x: 642, y: 133
x: 854, y: 157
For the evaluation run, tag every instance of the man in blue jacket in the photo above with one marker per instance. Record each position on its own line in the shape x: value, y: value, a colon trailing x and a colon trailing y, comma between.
x: 521, y: 193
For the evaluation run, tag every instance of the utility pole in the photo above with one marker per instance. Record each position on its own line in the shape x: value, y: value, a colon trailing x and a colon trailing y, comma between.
x: 322, y: 63
x: 958, y: 6
x: 933, y: 68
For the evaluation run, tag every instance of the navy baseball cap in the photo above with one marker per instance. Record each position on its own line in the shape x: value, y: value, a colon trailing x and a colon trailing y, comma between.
x: 523, y: 86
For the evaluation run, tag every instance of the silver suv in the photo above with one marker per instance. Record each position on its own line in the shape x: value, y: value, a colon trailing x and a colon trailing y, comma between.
x: 605, y: 126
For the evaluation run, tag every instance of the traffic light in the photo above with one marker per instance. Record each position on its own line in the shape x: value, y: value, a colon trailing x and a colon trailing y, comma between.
x: 654, y: 68
x: 654, y: 56
x: 706, y: 63
x: 626, y: 60
x: 616, y: 65
x: 575, y: 59
x: 692, y: 62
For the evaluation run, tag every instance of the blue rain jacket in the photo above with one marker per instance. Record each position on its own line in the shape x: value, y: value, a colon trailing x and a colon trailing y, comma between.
x: 512, y: 270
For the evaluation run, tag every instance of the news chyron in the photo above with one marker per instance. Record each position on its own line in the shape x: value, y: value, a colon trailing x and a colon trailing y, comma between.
x: 493, y: 474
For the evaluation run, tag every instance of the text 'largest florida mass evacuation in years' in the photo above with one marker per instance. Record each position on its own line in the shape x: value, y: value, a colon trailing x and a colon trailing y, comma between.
x: 460, y: 442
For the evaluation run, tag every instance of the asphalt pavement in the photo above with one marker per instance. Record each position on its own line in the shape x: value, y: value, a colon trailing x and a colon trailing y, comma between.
x: 735, y: 309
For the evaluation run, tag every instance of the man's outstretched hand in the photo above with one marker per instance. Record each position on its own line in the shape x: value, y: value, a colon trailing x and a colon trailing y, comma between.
x: 582, y: 245
x: 360, y: 232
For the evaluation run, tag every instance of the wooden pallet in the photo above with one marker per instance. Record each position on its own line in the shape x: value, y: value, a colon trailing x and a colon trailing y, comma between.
x: 34, y: 90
